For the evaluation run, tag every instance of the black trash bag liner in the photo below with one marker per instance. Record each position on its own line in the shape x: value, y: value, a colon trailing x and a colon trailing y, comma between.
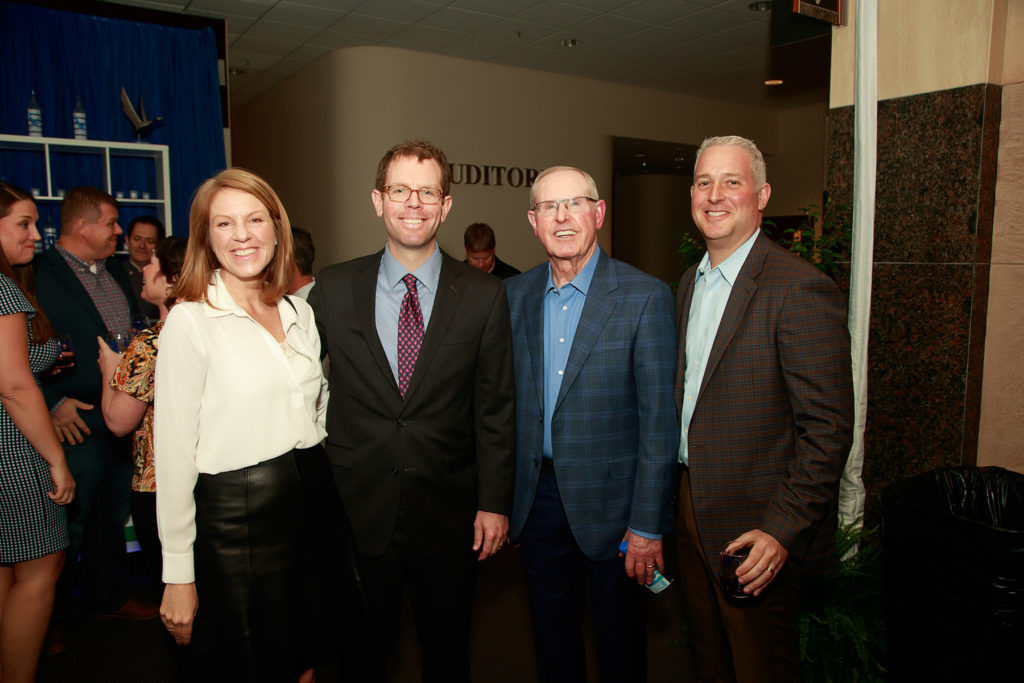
x: 954, y: 570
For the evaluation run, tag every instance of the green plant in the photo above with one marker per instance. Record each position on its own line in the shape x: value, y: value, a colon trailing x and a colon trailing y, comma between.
x: 842, y: 618
x: 824, y: 238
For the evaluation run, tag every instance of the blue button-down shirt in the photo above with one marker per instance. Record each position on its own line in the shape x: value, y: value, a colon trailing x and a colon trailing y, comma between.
x: 710, y: 295
x: 562, y: 309
x: 390, y: 292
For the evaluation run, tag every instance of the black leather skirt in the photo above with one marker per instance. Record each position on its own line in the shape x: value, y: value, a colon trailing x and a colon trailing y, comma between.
x: 256, y: 619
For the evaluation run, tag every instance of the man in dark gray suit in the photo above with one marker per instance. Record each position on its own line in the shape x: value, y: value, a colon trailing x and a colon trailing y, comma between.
x: 596, y: 434
x: 420, y: 424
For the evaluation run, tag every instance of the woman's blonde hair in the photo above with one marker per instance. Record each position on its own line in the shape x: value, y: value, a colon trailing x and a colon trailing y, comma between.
x: 200, y: 261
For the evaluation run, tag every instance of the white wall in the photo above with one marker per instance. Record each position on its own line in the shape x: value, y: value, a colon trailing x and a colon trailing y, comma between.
x: 318, y: 136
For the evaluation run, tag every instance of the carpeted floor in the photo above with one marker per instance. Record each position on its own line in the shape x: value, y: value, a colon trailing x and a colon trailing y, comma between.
x: 115, y: 650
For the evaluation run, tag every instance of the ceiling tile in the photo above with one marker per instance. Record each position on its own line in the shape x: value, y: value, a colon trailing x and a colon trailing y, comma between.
x: 478, y: 47
x: 302, y: 15
x: 332, y: 40
x: 658, y: 12
x: 423, y: 38
x: 397, y: 10
x: 504, y: 8
x: 241, y: 8
x: 337, y: 5
x: 555, y: 15
x: 263, y: 46
x: 286, y: 33
x: 608, y: 27
x: 515, y: 30
x: 709, y: 21
x: 373, y: 28
x: 460, y: 20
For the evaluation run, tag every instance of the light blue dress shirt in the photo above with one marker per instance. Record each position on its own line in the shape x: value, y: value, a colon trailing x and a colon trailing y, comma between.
x: 562, y: 309
x: 710, y: 295
x: 390, y: 292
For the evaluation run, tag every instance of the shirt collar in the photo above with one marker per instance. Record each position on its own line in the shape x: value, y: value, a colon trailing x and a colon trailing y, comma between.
x: 79, y: 264
x: 221, y: 303
x: 730, y: 267
x: 428, y: 274
x: 583, y: 278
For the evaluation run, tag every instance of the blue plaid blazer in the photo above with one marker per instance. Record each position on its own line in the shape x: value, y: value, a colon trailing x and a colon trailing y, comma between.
x: 615, y: 432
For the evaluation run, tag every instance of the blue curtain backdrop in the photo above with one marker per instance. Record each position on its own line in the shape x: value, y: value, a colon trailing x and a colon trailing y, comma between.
x: 65, y: 56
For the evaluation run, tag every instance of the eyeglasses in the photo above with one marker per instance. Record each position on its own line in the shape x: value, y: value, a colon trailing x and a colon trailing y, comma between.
x: 572, y: 205
x: 401, y: 193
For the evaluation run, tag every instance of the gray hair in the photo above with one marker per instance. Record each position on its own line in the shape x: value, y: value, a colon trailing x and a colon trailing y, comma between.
x: 756, y: 158
x: 591, y: 185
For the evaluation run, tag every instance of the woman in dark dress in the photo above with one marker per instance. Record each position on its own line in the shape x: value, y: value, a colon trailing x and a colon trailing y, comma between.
x: 34, y: 477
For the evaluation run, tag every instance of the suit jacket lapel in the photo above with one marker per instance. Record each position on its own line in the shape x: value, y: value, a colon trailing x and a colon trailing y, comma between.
x: 735, y: 309
x: 595, y: 314
x: 71, y: 282
x: 686, y: 299
x: 533, y: 303
x: 364, y: 297
x: 446, y: 301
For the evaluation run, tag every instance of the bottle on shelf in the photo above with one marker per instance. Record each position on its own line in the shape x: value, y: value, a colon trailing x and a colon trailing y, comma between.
x: 49, y: 233
x: 35, y: 117
x: 78, y: 120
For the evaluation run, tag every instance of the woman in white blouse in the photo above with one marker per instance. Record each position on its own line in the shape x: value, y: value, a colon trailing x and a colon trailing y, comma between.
x: 240, y: 401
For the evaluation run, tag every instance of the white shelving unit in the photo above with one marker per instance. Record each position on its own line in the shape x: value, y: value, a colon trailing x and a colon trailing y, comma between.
x: 158, y: 203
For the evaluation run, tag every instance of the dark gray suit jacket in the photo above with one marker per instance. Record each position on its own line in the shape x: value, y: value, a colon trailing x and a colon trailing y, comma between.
x: 446, y: 449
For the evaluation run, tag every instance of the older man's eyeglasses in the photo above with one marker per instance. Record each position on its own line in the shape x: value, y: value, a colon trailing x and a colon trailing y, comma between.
x: 572, y: 205
x: 401, y: 194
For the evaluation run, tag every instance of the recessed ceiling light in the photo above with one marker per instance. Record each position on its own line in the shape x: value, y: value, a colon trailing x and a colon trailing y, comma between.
x: 762, y: 6
x: 773, y: 81
x: 570, y: 42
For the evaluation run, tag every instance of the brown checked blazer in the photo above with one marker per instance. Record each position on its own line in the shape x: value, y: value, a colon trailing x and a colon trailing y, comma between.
x: 447, y: 449
x: 772, y: 425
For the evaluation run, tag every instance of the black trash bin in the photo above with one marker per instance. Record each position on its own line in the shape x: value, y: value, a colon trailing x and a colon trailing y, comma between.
x: 954, y: 570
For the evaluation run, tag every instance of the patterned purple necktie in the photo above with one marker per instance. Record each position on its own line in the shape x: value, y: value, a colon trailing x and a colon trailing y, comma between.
x: 410, y: 333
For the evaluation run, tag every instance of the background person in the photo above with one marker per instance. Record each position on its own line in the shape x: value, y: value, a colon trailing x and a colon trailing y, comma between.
x: 142, y: 236
x: 596, y: 435
x: 86, y: 294
x: 305, y: 253
x: 128, y: 394
x: 480, y: 244
x: 239, y: 417
x: 764, y: 387
x: 34, y: 477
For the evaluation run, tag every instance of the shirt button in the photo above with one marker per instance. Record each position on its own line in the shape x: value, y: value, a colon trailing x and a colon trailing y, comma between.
x: 559, y: 373
x: 565, y: 308
x: 561, y: 340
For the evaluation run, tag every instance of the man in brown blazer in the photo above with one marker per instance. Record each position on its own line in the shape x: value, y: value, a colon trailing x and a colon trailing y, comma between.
x: 764, y: 390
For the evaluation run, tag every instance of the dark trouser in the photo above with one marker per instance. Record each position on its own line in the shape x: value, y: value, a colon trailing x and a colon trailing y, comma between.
x: 442, y: 595
x: 102, y: 470
x: 144, y: 521
x: 749, y: 641
x: 559, y: 578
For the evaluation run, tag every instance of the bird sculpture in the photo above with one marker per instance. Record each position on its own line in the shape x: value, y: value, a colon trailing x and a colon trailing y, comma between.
x: 140, y: 123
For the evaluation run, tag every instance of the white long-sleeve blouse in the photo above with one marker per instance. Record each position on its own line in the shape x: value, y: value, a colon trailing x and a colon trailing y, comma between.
x: 227, y: 396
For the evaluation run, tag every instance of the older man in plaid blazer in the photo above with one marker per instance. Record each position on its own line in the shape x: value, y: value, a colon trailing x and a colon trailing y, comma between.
x: 596, y: 434
x: 764, y: 391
